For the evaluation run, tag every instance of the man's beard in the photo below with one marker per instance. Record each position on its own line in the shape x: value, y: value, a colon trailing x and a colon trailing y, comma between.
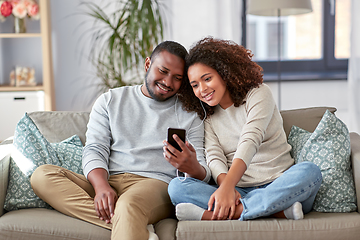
x: 152, y: 94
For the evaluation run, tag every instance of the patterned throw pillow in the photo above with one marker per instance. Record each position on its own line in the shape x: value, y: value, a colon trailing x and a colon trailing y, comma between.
x: 69, y: 153
x: 31, y: 150
x: 329, y: 148
x: 297, y: 139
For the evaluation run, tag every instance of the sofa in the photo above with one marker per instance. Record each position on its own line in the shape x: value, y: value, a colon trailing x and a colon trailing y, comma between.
x: 48, y: 224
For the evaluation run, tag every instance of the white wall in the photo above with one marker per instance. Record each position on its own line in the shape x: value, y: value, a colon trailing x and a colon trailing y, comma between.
x: 302, y: 94
x: 75, y: 88
x: 75, y: 85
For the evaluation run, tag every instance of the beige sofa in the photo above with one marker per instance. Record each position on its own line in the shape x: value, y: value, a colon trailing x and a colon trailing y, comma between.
x: 38, y: 224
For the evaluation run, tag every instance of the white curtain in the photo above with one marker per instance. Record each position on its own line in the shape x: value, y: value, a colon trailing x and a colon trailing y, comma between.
x: 354, y: 68
x: 188, y: 20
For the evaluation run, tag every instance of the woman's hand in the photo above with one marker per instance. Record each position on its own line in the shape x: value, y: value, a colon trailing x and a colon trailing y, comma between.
x: 225, y: 198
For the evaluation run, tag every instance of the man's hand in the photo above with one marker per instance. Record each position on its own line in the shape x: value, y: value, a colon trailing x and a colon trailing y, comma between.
x: 185, y: 161
x: 105, y: 196
x: 104, y: 202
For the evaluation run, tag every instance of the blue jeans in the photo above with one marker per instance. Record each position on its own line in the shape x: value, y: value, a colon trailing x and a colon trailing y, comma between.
x: 300, y: 183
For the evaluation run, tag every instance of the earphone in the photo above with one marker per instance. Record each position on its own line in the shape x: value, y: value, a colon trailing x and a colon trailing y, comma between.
x: 182, y: 179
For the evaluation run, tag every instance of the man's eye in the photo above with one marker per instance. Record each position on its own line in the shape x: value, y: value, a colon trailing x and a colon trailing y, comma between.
x: 162, y: 71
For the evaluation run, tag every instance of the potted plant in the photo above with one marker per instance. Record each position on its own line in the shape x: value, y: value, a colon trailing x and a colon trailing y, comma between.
x: 122, y: 39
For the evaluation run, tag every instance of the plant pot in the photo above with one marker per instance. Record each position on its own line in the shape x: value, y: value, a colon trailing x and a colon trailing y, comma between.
x: 19, y: 25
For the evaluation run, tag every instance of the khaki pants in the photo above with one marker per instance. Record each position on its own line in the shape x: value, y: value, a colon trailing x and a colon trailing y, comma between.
x: 142, y: 200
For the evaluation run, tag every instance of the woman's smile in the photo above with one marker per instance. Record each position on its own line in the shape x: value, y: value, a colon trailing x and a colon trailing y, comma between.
x: 208, y: 85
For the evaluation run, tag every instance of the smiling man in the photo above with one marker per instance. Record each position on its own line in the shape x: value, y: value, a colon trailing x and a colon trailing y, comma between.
x: 163, y: 75
x: 126, y: 173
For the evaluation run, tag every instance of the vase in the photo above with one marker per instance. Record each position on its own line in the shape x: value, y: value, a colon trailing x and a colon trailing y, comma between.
x: 19, y: 25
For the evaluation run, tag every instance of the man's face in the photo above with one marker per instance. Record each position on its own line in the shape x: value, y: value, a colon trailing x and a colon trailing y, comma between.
x: 164, y: 74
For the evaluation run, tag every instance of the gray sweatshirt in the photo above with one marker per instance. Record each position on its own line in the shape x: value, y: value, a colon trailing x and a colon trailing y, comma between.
x: 126, y: 130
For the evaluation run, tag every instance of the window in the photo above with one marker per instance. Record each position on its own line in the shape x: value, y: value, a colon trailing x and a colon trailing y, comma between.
x: 312, y: 46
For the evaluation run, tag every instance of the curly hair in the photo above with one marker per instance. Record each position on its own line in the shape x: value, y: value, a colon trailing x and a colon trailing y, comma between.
x: 232, y: 62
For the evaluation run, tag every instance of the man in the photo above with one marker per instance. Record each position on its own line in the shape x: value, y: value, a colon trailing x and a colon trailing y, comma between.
x: 126, y: 174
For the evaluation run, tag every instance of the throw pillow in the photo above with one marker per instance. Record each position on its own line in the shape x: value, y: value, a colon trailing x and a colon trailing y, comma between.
x: 31, y: 150
x: 297, y: 139
x: 69, y: 153
x: 329, y: 148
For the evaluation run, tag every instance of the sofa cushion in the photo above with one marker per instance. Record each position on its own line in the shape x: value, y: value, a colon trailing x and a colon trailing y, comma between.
x: 319, y: 226
x: 45, y: 224
x: 329, y: 148
x: 31, y: 149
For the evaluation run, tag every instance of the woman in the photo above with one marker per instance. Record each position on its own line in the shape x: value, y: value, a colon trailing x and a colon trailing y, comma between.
x: 246, y: 146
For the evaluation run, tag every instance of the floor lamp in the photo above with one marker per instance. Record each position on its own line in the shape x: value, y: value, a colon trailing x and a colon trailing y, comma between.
x: 278, y: 8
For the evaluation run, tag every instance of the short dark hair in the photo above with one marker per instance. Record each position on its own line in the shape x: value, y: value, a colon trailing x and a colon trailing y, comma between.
x: 172, y: 47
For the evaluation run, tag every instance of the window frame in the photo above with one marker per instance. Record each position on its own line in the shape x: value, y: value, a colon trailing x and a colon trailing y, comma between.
x: 327, y: 68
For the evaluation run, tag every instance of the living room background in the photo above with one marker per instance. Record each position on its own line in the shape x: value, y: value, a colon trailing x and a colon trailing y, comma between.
x: 187, y: 21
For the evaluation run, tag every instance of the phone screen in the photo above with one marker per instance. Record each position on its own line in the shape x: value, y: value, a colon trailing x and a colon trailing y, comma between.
x: 178, y: 131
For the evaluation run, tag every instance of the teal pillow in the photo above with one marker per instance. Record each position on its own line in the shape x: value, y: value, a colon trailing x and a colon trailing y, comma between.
x: 31, y: 150
x: 329, y: 148
x: 297, y: 139
x: 69, y: 153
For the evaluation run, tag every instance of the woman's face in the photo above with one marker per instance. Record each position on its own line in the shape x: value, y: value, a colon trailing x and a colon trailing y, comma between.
x: 208, y: 86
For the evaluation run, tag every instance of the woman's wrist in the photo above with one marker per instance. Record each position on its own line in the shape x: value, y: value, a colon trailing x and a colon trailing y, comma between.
x: 220, y: 178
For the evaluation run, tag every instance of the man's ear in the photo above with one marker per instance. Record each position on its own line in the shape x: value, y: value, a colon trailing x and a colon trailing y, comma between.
x: 147, y: 64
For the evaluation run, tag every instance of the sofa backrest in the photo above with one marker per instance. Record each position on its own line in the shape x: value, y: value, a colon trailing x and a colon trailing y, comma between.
x: 59, y: 125
x: 305, y: 118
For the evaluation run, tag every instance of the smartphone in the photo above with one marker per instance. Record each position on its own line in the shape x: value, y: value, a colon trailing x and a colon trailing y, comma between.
x: 178, y: 131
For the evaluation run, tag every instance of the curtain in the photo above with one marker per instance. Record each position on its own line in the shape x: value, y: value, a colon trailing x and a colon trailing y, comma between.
x: 188, y: 21
x: 354, y: 69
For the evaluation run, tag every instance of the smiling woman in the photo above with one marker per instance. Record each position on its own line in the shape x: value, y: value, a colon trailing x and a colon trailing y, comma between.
x: 245, y: 142
x: 208, y: 86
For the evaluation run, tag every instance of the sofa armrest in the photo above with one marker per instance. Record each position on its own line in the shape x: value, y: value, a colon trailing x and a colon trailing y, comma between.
x: 4, y: 174
x: 6, y: 148
x: 355, y: 159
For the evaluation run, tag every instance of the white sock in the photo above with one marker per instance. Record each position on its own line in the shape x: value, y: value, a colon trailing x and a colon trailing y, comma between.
x: 294, y: 212
x: 189, y: 212
x: 152, y: 235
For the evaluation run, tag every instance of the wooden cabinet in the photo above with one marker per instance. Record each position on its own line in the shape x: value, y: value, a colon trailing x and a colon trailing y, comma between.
x: 13, y: 106
x: 42, y: 58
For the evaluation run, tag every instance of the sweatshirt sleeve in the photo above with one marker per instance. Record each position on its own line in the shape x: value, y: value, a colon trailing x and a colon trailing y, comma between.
x: 196, y: 138
x: 260, y: 107
x: 98, y: 138
x: 215, y: 157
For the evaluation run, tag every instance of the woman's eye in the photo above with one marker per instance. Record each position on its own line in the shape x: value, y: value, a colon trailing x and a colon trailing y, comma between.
x: 208, y: 79
x: 194, y: 86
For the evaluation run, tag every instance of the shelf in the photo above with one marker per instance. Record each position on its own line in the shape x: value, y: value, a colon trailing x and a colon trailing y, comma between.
x: 19, y: 35
x: 4, y: 88
x: 27, y: 40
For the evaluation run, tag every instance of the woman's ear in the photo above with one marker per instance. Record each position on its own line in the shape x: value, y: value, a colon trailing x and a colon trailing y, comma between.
x: 147, y: 64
